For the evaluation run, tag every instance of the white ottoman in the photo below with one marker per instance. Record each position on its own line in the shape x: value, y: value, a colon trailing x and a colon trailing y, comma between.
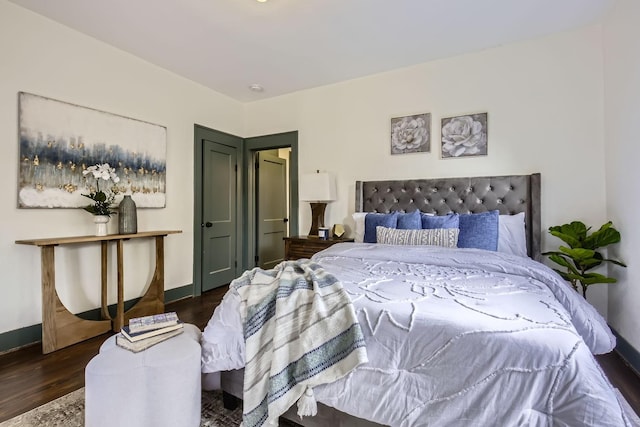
x: 160, y: 386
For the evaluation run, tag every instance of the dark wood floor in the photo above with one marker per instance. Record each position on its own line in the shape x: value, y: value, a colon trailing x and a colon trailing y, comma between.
x: 29, y: 379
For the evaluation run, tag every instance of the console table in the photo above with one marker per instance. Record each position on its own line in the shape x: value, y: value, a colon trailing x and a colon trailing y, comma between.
x: 61, y: 328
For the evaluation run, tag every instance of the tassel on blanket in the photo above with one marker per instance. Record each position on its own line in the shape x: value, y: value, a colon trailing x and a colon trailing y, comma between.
x: 307, y: 406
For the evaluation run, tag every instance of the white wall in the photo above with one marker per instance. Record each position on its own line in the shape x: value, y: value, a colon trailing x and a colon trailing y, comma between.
x: 45, y: 58
x: 544, y: 100
x: 622, y: 127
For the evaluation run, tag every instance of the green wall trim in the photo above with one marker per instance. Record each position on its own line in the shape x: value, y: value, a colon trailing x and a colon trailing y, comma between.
x: 176, y: 294
x: 627, y: 352
x: 33, y: 334
x: 20, y: 337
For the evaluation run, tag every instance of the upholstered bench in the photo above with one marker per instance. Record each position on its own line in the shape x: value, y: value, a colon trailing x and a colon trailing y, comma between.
x: 160, y: 386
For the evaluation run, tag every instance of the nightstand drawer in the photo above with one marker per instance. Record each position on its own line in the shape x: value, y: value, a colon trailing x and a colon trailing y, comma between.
x: 305, y: 247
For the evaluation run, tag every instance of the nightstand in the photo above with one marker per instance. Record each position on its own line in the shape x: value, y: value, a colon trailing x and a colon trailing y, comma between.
x: 305, y: 246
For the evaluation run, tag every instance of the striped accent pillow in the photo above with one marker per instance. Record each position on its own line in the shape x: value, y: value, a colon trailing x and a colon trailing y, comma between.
x: 447, y: 237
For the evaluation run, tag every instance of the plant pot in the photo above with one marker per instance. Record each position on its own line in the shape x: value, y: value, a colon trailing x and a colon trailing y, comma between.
x: 101, y: 224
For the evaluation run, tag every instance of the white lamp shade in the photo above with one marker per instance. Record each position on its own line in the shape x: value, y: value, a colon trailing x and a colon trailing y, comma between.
x: 317, y: 187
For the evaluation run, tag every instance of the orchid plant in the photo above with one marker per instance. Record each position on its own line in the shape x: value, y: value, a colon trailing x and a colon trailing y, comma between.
x: 102, y: 199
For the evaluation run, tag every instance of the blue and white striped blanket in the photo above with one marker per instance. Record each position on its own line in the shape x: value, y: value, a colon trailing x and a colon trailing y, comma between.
x: 300, y: 331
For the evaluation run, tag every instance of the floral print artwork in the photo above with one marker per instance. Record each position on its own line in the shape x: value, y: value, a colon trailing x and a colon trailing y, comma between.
x: 411, y: 134
x: 464, y: 136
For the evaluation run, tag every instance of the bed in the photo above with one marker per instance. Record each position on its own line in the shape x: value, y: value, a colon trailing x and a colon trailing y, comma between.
x: 455, y: 337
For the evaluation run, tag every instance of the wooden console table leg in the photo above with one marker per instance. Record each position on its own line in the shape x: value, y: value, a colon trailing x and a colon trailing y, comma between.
x: 49, y: 299
x: 103, y: 274
x: 119, y: 320
x: 158, y: 274
x: 152, y: 302
x: 60, y: 328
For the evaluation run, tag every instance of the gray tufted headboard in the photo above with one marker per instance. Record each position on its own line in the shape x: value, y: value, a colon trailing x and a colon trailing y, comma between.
x: 509, y: 194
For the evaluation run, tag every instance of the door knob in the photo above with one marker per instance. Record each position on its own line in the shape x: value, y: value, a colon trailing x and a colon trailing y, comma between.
x: 285, y: 219
x: 208, y: 224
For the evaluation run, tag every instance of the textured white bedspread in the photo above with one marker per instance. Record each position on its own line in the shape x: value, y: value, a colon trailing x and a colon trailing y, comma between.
x: 463, y: 337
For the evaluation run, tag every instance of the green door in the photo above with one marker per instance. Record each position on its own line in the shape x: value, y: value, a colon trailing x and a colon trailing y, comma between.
x: 271, y: 195
x: 219, y: 209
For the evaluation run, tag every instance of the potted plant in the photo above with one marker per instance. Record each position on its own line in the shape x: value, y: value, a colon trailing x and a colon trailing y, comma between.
x: 102, y: 206
x: 582, y: 253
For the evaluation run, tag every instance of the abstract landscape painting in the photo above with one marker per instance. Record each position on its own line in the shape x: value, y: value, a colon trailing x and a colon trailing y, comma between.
x: 58, y: 141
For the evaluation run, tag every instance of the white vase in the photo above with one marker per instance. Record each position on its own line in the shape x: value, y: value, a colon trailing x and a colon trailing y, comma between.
x: 101, y: 224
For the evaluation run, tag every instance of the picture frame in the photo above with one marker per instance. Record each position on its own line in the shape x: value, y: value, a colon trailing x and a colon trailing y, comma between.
x: 464, y: 136
x: 59, y: 140
x: 411, y: 134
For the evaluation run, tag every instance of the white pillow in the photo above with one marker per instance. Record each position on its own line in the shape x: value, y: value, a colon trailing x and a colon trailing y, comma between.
x: 358, y: 217
x: 512, y: 238
x: 447, y: 237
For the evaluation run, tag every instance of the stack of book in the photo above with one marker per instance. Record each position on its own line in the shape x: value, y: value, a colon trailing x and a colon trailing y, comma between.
x: 144, y: 332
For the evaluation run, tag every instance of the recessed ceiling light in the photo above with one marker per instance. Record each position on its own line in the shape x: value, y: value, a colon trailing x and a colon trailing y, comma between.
x: 256, y: 87
x: 262, y: 1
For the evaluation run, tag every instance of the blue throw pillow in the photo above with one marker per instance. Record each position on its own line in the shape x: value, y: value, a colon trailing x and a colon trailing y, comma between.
x: 479, y: 231
x: 373, y: 220
x: 409, y: 221
x: 440, y: 221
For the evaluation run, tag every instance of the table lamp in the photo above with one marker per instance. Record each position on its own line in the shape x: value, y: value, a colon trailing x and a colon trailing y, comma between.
x: 317, y: 188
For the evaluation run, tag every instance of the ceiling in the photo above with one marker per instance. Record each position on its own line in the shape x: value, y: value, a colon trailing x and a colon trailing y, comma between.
x: 290, y: 45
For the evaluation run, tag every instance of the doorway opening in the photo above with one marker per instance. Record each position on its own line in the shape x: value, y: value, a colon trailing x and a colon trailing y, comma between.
x: 271, y: 205
x: 267, y: 158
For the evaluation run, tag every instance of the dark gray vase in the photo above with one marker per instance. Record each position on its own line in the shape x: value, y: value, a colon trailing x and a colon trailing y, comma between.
x: 127, y: 216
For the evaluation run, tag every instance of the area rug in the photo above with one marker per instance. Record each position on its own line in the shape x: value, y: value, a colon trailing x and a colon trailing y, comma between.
x: 68, y: 411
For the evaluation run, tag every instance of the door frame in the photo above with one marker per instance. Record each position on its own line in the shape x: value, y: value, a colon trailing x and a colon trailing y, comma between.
x: 251, y: 146
x: 199, y: 134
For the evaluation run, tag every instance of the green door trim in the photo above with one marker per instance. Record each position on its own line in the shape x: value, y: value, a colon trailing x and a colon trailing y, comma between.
x: 201, y: 133
x: 259, y: 143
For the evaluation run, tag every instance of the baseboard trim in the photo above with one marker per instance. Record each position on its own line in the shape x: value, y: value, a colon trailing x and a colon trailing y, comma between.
x: 176, y: 294
x: 13, y: 340
x: 627, y: 352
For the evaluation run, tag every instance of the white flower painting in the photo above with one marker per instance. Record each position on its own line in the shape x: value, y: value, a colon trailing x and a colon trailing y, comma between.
x: 411, y: 134
x: 464, y: 136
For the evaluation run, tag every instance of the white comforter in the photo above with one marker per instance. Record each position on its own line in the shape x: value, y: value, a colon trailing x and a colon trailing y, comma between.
x: 457, y: 337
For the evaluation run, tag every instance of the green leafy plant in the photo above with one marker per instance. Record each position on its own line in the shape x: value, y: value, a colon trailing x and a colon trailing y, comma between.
x: 582, y: 255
